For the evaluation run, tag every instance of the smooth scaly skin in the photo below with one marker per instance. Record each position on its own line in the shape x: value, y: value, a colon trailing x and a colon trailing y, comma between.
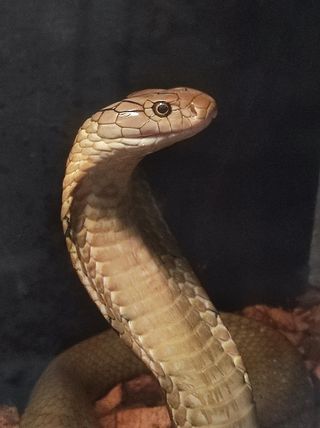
x: 131, y: 267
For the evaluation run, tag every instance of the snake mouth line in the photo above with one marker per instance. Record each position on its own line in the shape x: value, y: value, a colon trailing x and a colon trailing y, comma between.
x: 156, y: 139
x: 187, y: 132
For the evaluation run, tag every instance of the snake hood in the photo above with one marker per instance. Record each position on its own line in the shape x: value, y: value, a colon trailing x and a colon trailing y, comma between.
x: 132, y: 268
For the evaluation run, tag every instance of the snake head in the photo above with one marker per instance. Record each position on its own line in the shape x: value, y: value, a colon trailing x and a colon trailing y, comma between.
x: 155, y: 118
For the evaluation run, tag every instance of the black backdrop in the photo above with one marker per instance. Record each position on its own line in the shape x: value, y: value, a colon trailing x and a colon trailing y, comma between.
x: 239, y: 198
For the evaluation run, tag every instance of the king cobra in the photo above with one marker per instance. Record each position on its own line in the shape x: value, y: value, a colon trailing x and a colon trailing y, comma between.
x: 131, y: 266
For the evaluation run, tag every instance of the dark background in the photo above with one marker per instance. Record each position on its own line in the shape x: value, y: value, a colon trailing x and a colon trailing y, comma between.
x: 239, y: 198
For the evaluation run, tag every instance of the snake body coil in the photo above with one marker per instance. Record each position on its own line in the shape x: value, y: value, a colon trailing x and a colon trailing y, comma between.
x: 130, y: 264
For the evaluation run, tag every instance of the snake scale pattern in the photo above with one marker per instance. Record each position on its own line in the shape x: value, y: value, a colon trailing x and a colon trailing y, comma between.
x: 132, y: 268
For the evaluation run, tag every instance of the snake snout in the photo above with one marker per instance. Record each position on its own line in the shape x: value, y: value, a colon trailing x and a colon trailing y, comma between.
x: 213, y: 109
x: 204, y: 107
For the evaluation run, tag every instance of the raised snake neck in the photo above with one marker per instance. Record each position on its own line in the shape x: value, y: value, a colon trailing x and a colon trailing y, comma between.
x: 130, y: 264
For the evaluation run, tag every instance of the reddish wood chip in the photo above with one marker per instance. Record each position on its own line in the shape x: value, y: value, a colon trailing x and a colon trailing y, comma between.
x: 9, y: 417
x: 112, y: 400
x: 138, y: 403
x: 142, y: 417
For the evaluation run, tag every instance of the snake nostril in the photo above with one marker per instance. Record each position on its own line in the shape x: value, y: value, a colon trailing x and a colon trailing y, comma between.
x: 193, y: 110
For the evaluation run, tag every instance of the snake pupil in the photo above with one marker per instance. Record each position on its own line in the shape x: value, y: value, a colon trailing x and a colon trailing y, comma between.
x: 162, y: 108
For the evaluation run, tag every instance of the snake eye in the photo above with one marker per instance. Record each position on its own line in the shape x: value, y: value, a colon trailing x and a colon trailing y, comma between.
x: 162, y: 108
